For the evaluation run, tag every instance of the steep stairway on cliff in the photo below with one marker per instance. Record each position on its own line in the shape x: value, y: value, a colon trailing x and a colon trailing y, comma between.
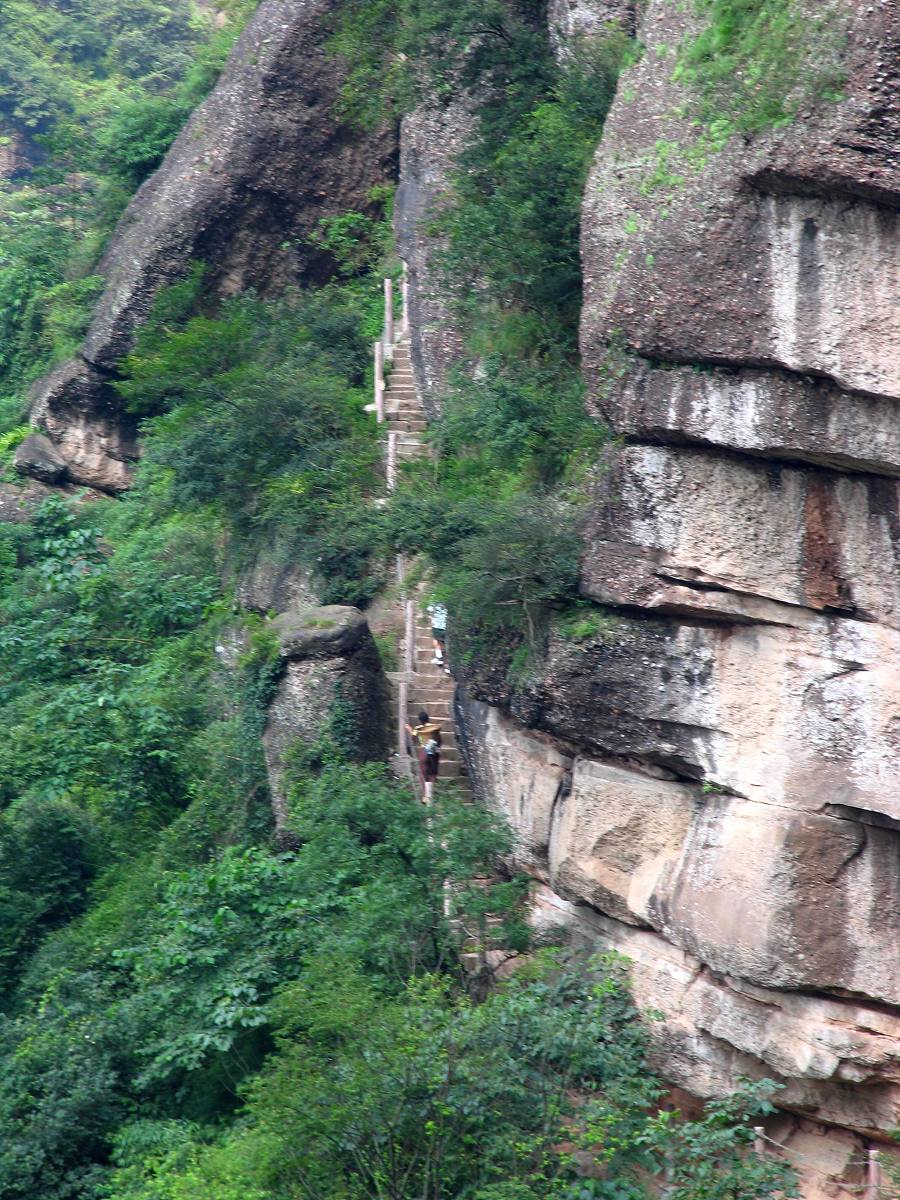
x: 429, y: 686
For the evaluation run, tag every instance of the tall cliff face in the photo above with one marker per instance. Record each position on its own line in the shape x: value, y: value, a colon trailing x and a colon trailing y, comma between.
x: 243, y: 189
x: 710, y: 784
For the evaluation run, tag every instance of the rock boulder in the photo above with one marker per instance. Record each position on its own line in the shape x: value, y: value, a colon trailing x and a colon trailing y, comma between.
x: 243, y: 189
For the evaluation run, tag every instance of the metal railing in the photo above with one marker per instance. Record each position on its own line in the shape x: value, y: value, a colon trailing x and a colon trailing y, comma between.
x: 876, y: 1186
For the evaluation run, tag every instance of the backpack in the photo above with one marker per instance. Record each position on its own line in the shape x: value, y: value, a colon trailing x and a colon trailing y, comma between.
x: 431, y: 748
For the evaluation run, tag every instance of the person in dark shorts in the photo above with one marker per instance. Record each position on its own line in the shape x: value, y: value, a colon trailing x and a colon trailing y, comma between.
x: 427, y: 736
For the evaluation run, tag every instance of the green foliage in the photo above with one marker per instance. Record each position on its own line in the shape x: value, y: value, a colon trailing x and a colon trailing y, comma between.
x: 164, y: 996
x: 429, y: 1095
x: 583, y: 621
x: 186, y: 1011
x: 496, y: 516
x: 48, y: 857
x: 513, y: 569
x: 258, y: 415
x: 755, y: 64
x: 514, y: 222
x: 358, y: 243
x: 396, y: 52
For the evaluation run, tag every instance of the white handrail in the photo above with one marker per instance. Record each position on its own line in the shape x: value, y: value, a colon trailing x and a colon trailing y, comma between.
x: 404, y: 325
x: 393, y: 437
x: 379, y: 382
x: 388, y: 315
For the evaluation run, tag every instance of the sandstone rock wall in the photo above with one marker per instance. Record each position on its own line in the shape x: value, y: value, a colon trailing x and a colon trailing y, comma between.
x: 711, y: 783
x: 243, y: 189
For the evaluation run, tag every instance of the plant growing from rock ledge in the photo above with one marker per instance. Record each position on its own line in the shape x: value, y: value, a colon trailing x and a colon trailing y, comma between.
x: 756, y: 62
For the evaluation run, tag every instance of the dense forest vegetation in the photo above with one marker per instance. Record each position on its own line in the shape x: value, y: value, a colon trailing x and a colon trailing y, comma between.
x: 188, y: 1011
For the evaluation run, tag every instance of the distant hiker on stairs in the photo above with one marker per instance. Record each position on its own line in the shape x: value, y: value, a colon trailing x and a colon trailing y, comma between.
x: 428, y: 736
x: 439, y: 634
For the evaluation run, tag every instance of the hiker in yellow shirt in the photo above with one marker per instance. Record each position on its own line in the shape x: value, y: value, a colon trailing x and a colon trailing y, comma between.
x: 427, y: 735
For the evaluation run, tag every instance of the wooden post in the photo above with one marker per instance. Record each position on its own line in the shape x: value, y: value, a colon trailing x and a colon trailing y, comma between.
x: 873, y: 1176
x: 388, y: 314
x: 759, y: 1144
x: 405, y: 320
x: 379, y: 382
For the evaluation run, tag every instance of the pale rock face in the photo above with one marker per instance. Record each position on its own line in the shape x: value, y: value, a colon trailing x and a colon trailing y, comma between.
x: 616, y: 838
x: 815, y: 539
x: 776, y: 898
x: 764, y: 413
x: 838, y: 1060
x: 725, y: 808
x: 524, y: 774
x: 834, y: 290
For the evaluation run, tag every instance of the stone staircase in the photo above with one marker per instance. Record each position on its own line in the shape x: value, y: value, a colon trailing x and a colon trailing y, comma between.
x: 430, y: 687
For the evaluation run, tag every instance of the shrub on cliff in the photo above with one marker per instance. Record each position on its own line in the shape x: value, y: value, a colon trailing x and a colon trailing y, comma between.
x: 257, y: 414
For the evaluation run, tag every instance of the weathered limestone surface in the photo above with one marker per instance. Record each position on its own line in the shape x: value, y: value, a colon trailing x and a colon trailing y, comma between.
x: 772, y: 414
x: 774, y: 897
x: 839, y: 1060
x: 782, y: 251
x: 272, y: 581
x: 573, y: 19
x: 243, y: 189
x: 711, y: 784
x: 329, y: 657
x: 818, y: 539
x: 19, y: 501
x: 431, y: 140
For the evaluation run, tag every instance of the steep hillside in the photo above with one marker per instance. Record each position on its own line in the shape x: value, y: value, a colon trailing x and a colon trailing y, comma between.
x: 641, y: 443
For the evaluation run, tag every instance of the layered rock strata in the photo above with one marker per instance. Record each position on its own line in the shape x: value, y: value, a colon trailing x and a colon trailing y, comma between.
x: 243, y: 189
x: 711, y: 782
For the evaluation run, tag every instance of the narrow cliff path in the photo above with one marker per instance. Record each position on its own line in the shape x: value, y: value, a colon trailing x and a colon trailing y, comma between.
x: 421, y: 684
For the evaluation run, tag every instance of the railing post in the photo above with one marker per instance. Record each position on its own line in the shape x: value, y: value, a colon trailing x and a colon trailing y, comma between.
x: 388, y: 315
x: 392, y: 461
x: 759, y: 1145
x: 873, y: 1176
x: 403, y: 696
x: 379, y: 382
x: 410, y: 660
x: 405, y: 319
x: 402, y: 718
